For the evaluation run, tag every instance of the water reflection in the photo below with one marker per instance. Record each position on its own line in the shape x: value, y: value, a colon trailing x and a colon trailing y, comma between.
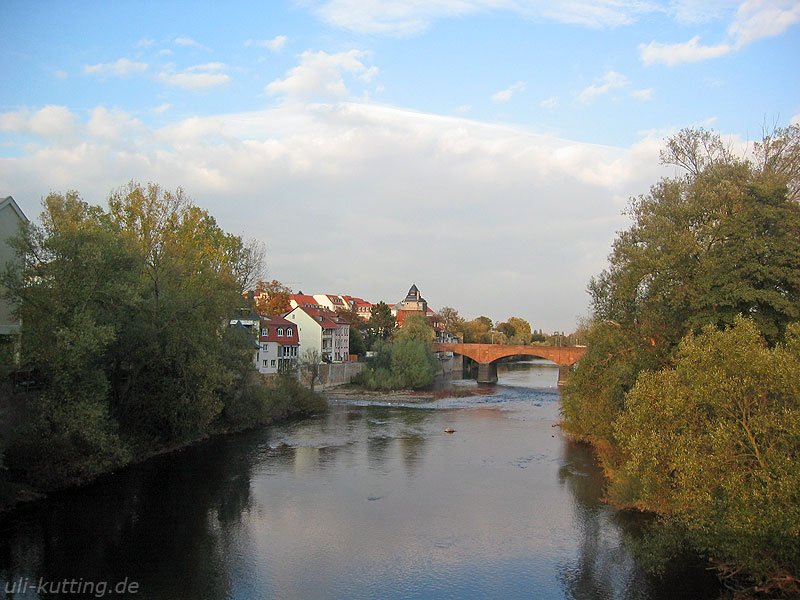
x: 367, y: 502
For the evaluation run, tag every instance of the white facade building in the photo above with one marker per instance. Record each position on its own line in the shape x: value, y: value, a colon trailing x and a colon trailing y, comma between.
x: 322, y: 330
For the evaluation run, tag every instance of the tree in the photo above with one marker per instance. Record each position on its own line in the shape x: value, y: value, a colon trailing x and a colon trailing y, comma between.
x: 123, y: 316
x: 478, y: 331
x: 713, y: 442
x: 277, y: 297
x: 452, y: 321
x: 381, y: 322
x: 309, y: 365
x: 416, y: 327
x: 167, y: 384
x: 522, y: 331
x: 507, y: 329
x: 413, y: 363
x: 704, y: 248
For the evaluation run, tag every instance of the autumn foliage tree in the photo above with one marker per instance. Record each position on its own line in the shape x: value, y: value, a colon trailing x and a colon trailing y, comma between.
x: 272, y: 298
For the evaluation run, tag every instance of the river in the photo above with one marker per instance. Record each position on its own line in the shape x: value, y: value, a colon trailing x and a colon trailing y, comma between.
x: 373, y: 500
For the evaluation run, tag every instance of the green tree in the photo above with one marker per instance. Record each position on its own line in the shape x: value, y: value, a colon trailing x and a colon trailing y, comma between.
x: 416, y: 327
x: 687, y: 430
x: 506, y: 328
x: 75, y: 275
x: 169, y: 385
x: 124, y: 316
x: 478, y: 331
x: 720, y: 241
x: 522, y: 331
x: 712, y: 443
x: 381, y: 324
x: 413, y: 363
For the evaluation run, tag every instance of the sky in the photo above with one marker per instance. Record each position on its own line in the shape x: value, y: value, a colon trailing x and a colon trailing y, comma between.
x: 485, y: 150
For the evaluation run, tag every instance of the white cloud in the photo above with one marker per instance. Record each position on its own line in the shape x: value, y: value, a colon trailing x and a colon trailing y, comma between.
x: 187, y: 42
x: 274, y: 44
x: 145, y: 42
x: 52, y: 122
x: 645, y: 95
x: 320, y: 74
x: 754, y: 20
x: 795, y: 120
x: 758, y: 19
x: 407, y: 17
x: 693, y: 12
x: 162, y: 108
x: 122, y: 67
x: 549, y: 103
x: 610, y: 81
x: 197, y: 77
x: 60, y: 75
x: 111, y: 124
x: 673, y: 54
x: 521, y: 194
x: 506, y: 94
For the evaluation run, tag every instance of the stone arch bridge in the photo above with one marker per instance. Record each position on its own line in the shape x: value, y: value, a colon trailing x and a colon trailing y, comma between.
x: 487, y: 356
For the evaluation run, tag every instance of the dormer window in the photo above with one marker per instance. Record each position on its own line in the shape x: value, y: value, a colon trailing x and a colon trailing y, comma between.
x: 289, y: 332
x: 280, y: 331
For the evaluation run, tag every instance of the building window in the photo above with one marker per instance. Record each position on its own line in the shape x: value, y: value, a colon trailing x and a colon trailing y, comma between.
x: 289, y: 332
x: 273, y: 363
x: 265, y: 363
x: 280, y: 331
x: 265, y: 332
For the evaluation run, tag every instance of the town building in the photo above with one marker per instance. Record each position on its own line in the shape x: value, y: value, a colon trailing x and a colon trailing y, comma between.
x: 276, y: 343
x: 360, y: 306
x: 11, y: 217
x: 304, y: 301
x: 279, y: 346
x: 322, y: 330
x: 415, y: 304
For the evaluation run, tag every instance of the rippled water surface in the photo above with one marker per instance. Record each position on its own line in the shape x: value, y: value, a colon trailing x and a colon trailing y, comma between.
x: 370, y: 501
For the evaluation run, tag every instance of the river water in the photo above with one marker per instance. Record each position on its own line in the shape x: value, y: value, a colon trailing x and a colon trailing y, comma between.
x: 373, y: 500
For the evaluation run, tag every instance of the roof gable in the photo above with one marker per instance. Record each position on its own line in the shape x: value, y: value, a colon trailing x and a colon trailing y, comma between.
x: 9, y: 201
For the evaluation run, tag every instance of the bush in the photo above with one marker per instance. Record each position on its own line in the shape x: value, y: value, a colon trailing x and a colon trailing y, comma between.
x: 404, y: 363
x: 713, y: 444
x: 287, y: 399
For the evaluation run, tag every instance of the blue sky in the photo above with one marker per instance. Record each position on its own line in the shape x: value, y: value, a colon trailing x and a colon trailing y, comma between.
x: 483, y: 149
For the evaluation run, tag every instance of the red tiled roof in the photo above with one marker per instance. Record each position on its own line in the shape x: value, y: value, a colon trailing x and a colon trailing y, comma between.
x: 304, y: 300
x: 326, y: 318
x: 272, y: 324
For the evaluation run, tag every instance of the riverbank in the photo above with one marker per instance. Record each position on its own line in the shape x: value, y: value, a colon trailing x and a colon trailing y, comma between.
x: 285, y: 405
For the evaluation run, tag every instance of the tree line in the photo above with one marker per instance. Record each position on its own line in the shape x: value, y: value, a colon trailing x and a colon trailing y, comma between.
x: 124, y: 348
x: 690, y: 388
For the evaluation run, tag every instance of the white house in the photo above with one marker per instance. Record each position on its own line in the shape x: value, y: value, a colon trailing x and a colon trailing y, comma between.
x: 278, y: 346
x: 11, y: 216
x: 322, y: 330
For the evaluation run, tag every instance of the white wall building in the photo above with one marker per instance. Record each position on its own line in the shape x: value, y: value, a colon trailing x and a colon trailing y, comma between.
x: 11, y: 217
x: 322, y: 330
